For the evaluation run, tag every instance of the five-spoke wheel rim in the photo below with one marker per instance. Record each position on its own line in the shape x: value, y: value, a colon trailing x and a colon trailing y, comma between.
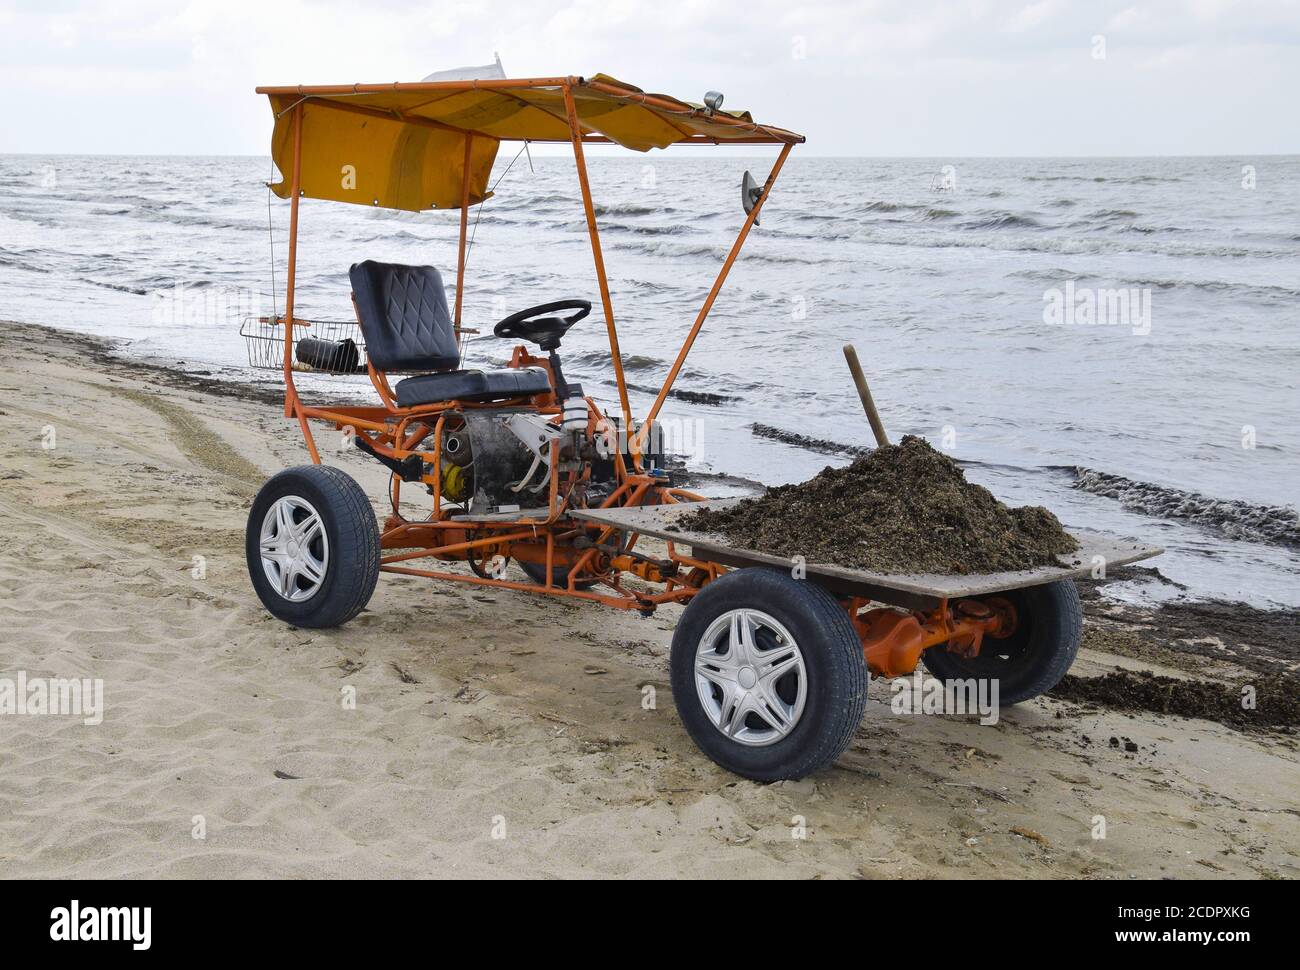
x: 295, y: 549
x: 750, y: 677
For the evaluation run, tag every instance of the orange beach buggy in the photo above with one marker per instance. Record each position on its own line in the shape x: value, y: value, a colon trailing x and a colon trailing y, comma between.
x: 768, y: 671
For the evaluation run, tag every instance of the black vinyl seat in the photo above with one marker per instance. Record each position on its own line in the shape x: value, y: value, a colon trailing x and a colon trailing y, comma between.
x: 472, y: 385
x: 403, y: 314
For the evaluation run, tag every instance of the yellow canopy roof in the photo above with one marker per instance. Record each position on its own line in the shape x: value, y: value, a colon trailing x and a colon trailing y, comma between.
x: 403, y: 145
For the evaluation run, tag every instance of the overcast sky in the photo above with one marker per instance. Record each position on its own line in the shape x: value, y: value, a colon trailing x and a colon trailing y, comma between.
x: 858, y: 77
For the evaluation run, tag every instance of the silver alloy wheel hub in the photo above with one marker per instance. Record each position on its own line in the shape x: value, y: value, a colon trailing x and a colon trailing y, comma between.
x: 295, y: 549
x: 750, y: 677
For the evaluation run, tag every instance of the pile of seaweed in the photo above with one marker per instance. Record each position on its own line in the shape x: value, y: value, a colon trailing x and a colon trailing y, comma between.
x: 1275, y: 704
x: 901, y: 508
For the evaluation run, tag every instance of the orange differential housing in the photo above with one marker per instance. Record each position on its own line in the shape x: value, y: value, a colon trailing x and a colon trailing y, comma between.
x: 892, y: 642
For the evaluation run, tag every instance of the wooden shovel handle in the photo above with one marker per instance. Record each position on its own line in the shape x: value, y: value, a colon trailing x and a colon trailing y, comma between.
x: 864, y: 392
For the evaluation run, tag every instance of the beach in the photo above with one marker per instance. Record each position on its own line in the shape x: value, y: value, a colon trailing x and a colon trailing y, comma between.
x: 498, y: 733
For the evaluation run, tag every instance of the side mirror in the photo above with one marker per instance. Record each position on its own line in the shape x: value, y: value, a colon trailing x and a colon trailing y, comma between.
x: 750, y: 193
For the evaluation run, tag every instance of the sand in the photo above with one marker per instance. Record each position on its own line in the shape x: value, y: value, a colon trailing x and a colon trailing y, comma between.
x: 483, y: 713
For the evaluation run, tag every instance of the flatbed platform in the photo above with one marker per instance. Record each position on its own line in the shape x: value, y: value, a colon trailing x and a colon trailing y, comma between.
x: 910, y: 590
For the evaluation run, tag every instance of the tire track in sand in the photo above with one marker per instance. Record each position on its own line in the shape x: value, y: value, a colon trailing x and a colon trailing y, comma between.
x: 198, y: 441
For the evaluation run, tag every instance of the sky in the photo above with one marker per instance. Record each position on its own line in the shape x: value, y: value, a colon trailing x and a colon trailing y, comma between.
x: 949, y: 78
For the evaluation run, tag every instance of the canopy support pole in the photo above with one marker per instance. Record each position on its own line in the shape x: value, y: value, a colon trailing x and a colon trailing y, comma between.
x: 713, y: 293
x: 578, y: 157
x: 464, y: 224
x: 292, y: 403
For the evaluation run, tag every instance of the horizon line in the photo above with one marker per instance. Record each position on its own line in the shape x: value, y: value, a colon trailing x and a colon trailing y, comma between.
x: 634, y: 154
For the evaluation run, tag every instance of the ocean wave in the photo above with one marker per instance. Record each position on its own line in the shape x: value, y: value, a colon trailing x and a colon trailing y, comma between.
x: 632, y: 210
x: 1117, y: 180
x: 21, y: 261
x: 159, y: 213
x: 32, y: 218
x: 680, y: 229
x: 24, y: 261
x: 119, y: 287
x: 511, y: 202
x: 631, y: 362
x: 1262, y: 291
x: 750, y: 255
x: 1043, y: 243
x: 1270, y: 524
x: 1003, y: 220
x: 919, y: 209
x: 668, y: 249
x: 786, y: 258
x: 816, y: 217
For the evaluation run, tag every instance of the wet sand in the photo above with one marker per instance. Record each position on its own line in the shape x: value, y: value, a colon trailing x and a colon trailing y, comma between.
x: 495, y: 713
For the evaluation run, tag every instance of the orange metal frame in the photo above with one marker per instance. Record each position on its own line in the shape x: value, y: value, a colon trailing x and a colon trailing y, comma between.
x: 549, y: 539
x: 892, y: 640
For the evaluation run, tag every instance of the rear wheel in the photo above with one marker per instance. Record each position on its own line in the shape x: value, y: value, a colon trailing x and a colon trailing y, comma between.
x: 1034, y: 657
x: 768, y: 675
x: 485, y: 561
x: 312, y: 546
x: 559, y: 576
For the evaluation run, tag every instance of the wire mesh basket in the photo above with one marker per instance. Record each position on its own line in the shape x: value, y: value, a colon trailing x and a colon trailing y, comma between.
x: 319, y: 346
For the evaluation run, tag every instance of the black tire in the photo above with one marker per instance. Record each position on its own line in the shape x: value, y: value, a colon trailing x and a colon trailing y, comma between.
x: 560, y: 574
x: 536, y: 572
x: 836, y: 689
x: 1049, y: 627
x: 479, y: 566
x: 352, y: 564
x: 480, y: 570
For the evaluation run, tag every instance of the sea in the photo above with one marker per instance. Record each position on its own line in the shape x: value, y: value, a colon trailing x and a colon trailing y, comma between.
x: 1115, y: 338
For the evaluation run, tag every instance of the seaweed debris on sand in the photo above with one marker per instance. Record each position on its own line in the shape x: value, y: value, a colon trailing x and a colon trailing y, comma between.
x: 1276, y: 703
x: 901, y: 508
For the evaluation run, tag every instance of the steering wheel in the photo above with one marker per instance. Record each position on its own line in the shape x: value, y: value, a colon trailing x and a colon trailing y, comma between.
x: 541, y: 324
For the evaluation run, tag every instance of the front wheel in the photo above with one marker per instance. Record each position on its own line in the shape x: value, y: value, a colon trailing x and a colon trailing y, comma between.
x: 768, y: 675
x: 1034, y: 657
x: 312, y: 545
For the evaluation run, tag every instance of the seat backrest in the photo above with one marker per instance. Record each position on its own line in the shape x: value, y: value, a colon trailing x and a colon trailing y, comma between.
x: 403, y: 314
